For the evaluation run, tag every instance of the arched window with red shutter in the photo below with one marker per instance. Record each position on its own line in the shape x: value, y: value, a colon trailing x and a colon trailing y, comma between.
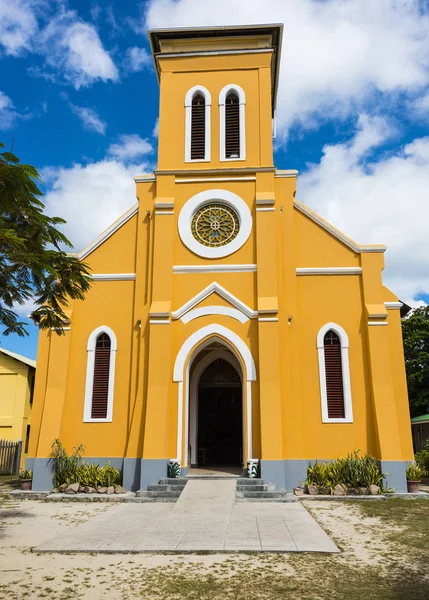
x: 334, y: 374
x: 100, y: 375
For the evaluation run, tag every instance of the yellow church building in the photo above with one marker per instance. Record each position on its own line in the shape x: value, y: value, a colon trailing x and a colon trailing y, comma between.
x: 227, y: 322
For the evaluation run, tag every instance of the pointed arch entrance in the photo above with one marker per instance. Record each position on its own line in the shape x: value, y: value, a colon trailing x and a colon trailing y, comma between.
x: 234, y: 350
x: 216, y: 425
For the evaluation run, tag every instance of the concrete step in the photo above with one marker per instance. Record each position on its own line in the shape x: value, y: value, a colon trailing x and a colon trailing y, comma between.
x: 260, y: 494
x: 158, y: 499
x: 165, y: 487
x: 173, y: 481
x: 285, y: 498
x: 152, y: 494
x: 266, y: 487
x: 249, y: 481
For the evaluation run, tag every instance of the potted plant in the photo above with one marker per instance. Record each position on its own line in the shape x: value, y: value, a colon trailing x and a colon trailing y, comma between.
x: 26, y: 475
x: 414, y: 475
x: 174, y: 468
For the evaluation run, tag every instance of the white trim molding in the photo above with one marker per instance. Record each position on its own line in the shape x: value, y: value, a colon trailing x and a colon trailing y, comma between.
x: 265, y: 209
x: 108, y: 232
x: 286, y: 173
x: 393, y: 305
x: 211, y: 179
x: 344, y: 341
x: 196, y: 202
x: 268, y: 319
x: 358, y: 248
x: 92, y: 341
x: 214, y: 287
x: 159, y: 321
x: 204, y: 311
x: 377, y: 323
x: 329, y: 271
x: 242, y: 116
x: 197, y: 89
x: 180, y: 269
x: 113, y: 276
x: 191, y: 348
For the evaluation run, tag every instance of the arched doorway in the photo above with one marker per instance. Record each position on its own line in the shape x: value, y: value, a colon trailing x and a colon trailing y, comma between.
x: 216, y: 408
x: 220, y: 416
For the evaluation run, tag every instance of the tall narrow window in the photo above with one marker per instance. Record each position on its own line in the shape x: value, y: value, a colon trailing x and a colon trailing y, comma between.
x: 100, y: 388
x: 333, y: 351
x: 198, y: 127
x: 197, y: 132
x: 100, y: 375
x: 232, y: 126
x: 232, y: 102
x: 334, y: 376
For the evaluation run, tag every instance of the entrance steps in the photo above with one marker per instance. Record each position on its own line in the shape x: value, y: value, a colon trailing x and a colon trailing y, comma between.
x: 167, y: 490
x: 257, y: 490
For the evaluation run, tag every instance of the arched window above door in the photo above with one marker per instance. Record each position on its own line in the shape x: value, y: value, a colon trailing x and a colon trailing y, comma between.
x: 197, y: 131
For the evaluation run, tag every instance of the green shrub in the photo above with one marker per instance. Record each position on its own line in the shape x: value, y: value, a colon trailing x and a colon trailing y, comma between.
x: 413, y: 473
x: 422, y: 459
x: 352, y: 471
x: 72, y: 469
x: 26, y: 474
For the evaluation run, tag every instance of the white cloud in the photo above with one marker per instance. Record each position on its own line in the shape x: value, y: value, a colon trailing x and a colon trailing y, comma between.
x: 155, y: 131
x: 129, y: 147
x: 90, y: 197
x: 8, y: 114
x: 73, y: 48
x: 377, y: 202
x: 421, y: 106
x: 138, y: 59
x: 337, y: 57
x: 89, y: 118
x: 18, y: 24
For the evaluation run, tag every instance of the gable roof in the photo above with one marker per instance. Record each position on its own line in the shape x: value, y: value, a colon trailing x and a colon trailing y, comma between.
x: 23, y: 359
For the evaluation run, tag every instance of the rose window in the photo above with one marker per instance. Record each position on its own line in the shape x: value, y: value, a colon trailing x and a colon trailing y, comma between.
x: 215, y: 225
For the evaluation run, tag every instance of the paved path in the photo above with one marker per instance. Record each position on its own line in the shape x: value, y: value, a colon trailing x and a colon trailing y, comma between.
x: 205, y: 518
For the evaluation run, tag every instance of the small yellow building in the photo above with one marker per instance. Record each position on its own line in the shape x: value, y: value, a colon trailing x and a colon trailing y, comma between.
x: 227, y: 322
x: 17, y: 374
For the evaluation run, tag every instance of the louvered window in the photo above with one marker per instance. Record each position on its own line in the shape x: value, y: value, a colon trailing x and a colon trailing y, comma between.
x: 100, y: 390
x: 334, y: 376
x: 198, y: 127
x: 232, y: 126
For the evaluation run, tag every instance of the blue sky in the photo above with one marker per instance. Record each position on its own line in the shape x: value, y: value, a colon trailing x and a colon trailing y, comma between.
x: 79, y: 100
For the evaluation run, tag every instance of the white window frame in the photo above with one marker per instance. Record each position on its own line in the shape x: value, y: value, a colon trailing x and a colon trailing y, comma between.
x: 92, y: 341
x: 344, y: 342
x: 197, y: 89
x: 242, y: 114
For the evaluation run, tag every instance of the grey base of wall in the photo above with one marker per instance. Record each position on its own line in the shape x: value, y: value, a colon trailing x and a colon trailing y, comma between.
x: 287, y: 474
x: 137, y: 473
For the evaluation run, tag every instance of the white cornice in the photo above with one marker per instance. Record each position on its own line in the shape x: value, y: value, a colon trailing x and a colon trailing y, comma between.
x: 144, y: 177
x: 335, y: 232
x: 113, y: 276
x: 180, y: 269
x: 108, y: 232
x: 393, y: 305
x: 210, y: 289
x: 213, y: 53
x: 213, y: 179
x: 329, y: 271
x: 286, y: 173
x: 377, y: 323
x: 164, y: 204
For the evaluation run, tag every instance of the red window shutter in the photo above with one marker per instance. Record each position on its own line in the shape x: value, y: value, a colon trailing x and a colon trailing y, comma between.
x: 198, y: 127
x: 232, y: 126
x: 334, y: 376
x: 100, y: 390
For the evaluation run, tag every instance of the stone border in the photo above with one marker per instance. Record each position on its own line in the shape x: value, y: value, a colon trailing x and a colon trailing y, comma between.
x: 79, y: 497
x: 379, y: 497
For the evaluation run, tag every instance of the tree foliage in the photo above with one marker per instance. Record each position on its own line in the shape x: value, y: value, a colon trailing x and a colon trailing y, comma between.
x: 415, y: 331
x: 32, y: 262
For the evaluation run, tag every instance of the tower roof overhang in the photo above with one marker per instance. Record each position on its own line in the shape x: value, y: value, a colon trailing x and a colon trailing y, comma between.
x: 246, y: 32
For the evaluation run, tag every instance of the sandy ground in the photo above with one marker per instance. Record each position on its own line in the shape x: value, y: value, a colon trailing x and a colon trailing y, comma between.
x: 25, y: 574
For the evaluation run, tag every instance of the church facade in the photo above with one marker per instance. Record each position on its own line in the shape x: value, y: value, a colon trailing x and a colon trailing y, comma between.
x: 227, y: 323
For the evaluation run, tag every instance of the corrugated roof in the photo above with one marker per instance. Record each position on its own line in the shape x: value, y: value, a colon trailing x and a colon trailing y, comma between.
x: 421, y: 419
x: 23, y: 359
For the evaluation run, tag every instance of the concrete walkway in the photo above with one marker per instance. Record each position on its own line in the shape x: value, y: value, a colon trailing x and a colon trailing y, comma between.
x: 205, y: 518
